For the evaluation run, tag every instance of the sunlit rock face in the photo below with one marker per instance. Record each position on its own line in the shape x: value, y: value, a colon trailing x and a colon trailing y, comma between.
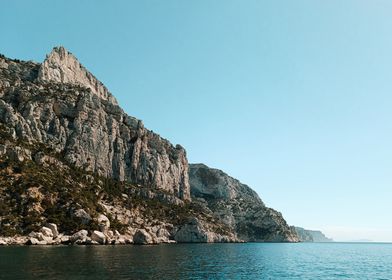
x: 62, y: 105
x: 61, y: 66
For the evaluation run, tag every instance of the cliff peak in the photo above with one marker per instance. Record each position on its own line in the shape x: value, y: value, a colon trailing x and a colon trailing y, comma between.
x: 61, y: 66
x: 62, y: 51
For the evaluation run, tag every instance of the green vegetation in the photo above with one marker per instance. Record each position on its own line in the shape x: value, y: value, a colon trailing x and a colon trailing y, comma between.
x: 32, y: 194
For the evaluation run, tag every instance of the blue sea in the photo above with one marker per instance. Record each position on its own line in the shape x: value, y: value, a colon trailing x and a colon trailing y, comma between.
x: 200, y: 261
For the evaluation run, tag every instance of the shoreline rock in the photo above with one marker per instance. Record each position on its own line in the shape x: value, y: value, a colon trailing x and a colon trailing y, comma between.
x: 150, y: 236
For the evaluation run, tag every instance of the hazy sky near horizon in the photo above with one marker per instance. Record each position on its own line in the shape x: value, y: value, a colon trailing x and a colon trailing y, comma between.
x: 292, y: 98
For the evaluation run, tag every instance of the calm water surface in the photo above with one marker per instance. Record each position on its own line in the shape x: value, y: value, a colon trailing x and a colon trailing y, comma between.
x: 200, y: 261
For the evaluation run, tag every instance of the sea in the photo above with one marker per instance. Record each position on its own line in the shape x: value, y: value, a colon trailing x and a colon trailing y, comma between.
x: 200, y: 261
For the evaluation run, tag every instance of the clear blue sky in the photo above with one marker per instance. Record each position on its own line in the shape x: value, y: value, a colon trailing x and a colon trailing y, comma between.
x: 293, y: 98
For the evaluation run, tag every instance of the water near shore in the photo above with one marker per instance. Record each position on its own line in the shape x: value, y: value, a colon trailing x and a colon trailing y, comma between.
x: 200, y: 261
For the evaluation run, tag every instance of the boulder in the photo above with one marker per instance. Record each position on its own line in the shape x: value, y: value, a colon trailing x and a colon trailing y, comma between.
x: 56, y: 241
x: 35, y: 241
x: 64, y: 239
x: 47, y: 232
x: 83, y: 216
x: 81, y: 235
x: 99, y: 237
x: 142, y: 237
x: 120, y: 241
x: 53, y: 228
x: 32, y: 234
x: 32, y: 241
x: 160, y: 234
x: 84, y: 241
x: 39, y: 236
x: 104, y: 223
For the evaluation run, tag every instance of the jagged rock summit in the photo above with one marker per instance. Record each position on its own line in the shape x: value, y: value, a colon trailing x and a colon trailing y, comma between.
x: 61, y: 66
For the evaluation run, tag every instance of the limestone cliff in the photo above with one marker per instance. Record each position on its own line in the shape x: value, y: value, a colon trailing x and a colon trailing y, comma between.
x: 306, y: 235
x: 74, y: 168
x: 238, y: 206
x: 60, y: 104
x: 72, y: 160
x: 60, y: 66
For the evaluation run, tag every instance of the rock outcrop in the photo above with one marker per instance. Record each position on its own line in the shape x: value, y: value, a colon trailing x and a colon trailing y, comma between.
x: 142, y: 237
x: 60, y: 104
x: 98, y: 237
x: 238, y: 206
x: 62, y: 67
x: 196, y: 231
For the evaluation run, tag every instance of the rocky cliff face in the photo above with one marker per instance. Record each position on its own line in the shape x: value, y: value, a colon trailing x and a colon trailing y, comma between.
x: 306, y: 235
x: 60, y: 104
x: 74, y: 168
x: 238, y: 206
x: 40, y: 190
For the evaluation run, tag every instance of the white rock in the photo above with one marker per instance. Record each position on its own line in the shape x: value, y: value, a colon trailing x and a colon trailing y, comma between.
x: 64, y: 239
x: 98, y: 237
x: 81, y: 235
x: 104, y: 223
x: 120, y: 241
x: 47, y: 232
x: 39, y: 236
x: 33, y: 241
x: 32, y: 234
x: 53, y: 228
x: 62, y: 67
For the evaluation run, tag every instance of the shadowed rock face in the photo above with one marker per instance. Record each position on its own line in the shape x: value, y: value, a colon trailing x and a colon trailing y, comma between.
x: 238, y: 206
x: 60, y: 104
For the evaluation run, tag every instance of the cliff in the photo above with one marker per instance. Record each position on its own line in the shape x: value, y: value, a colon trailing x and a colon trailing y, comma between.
x: 306, y: 235
x: 238, y: 206
x: 60, y: 104
x: 75, y: 168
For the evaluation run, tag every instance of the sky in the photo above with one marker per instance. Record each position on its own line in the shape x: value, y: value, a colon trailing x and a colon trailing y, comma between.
x: 292, y: 98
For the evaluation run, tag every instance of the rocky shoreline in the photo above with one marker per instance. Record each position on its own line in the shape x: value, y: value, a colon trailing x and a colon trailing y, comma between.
x: 49, y: 235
